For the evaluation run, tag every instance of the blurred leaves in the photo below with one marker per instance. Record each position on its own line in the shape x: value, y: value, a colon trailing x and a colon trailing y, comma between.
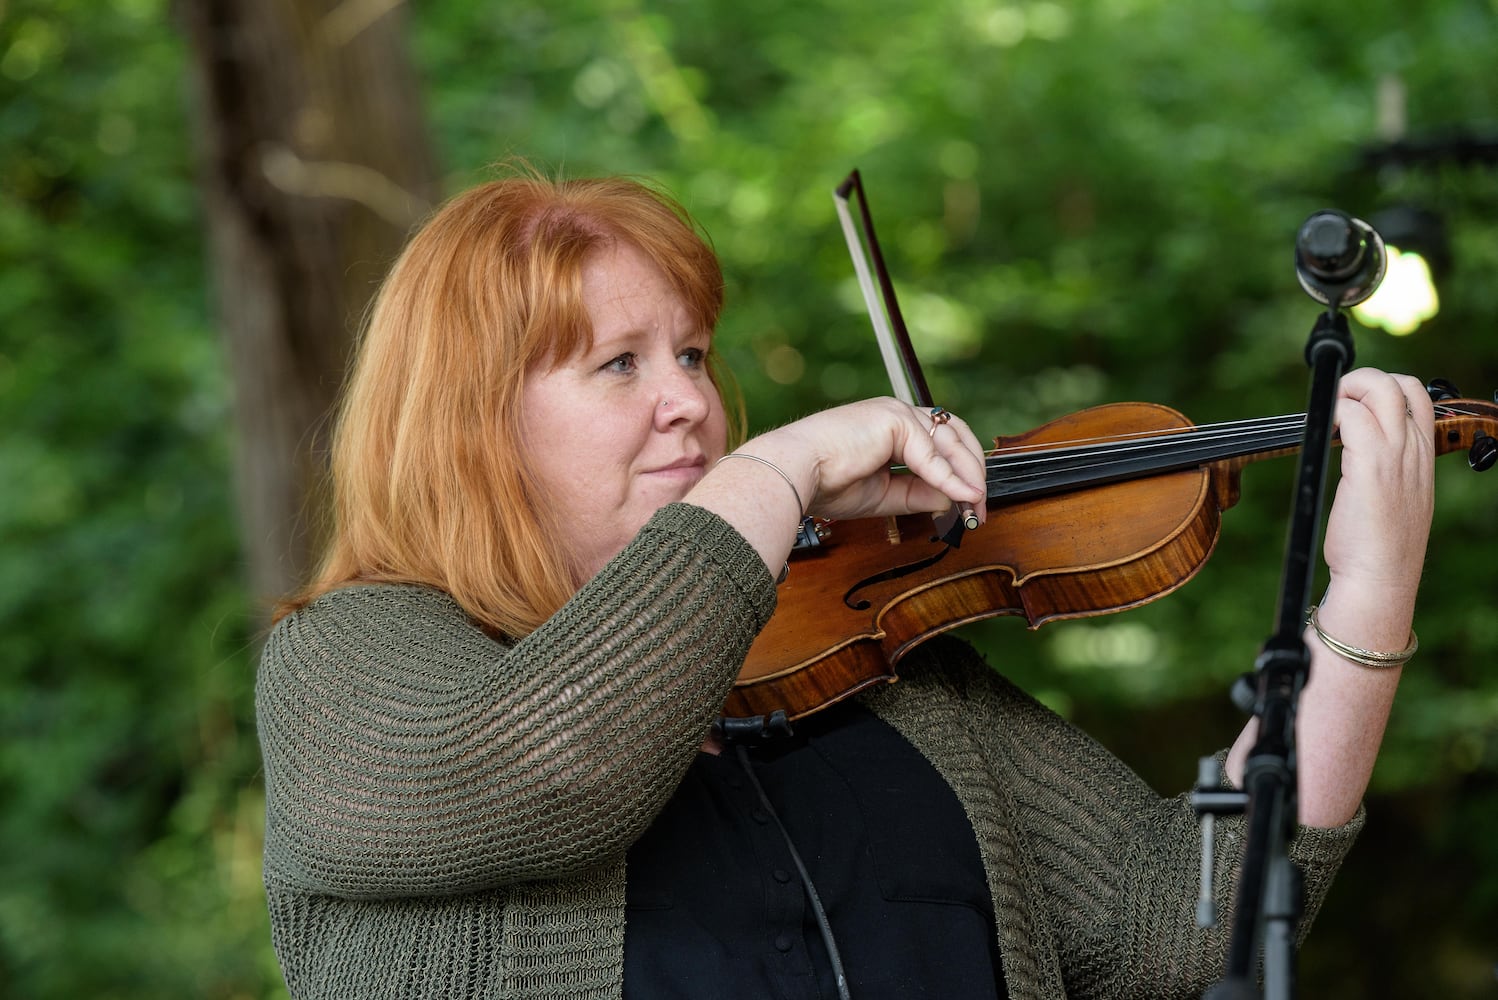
x: 1080, y: 203
x: 123, y: 684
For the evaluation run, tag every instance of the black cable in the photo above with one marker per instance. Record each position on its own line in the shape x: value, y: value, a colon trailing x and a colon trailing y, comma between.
x: 811, y: 890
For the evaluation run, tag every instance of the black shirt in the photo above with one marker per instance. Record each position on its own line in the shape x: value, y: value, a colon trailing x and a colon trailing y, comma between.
x: 716, y: 908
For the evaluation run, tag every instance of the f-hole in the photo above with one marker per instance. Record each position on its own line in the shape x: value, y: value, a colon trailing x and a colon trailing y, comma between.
x: 853, y: 601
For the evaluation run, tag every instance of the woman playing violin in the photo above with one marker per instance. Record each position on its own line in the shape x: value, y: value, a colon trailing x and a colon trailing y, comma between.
x: 487, y: 725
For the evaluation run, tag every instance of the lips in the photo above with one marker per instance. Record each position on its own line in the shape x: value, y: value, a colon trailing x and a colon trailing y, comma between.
x: 682, y: 463
x: 678, y: 478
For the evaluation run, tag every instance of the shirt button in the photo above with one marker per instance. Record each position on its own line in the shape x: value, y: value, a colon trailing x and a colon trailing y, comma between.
x: 783, y: 942
x: 760, y: 816
x: 781, y: 875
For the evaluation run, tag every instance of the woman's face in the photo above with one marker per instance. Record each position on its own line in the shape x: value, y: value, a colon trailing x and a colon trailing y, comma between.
x: 631, y: 424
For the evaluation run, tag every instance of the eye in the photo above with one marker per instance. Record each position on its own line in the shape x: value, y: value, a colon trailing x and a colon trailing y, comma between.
x: 623, y: 364
x: 692, y: 357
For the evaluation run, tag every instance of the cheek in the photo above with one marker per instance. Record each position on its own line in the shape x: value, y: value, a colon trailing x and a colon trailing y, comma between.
x: 595, y: 452
x: 549, y: 439
x: 717, y: 429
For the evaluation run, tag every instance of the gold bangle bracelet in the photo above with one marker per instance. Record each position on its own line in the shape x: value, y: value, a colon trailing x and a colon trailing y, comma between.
x: 1364, y: 657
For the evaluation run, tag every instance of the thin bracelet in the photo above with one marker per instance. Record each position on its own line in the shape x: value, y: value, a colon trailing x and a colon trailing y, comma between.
x: 1365, y: 657
x: 800, y: 507
x: 785, y: 567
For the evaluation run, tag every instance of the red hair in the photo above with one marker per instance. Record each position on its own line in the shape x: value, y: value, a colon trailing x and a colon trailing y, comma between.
x: 430, y: 483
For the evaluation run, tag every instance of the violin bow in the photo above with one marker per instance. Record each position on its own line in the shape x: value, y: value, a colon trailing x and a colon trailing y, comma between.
x: 907, y: 381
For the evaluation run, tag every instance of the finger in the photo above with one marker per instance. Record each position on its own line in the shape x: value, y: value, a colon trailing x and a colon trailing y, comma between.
x: 1381, y: 396
x: 1387, y: 426
x: 954, y: 442
x: 969, y: 442
x: 950, y: 436
x: 965, y: 453
x: 1418, y: 403
x: 951, y: 475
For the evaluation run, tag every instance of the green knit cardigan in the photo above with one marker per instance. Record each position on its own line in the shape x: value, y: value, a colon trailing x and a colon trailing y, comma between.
x: 448, y: 816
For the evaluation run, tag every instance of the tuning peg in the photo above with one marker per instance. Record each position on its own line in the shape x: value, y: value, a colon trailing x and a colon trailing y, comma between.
x: 1440, y: 388
x: 1483, y: 453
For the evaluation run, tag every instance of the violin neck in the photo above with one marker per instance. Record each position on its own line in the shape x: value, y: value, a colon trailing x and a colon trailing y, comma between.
x: 1040, y: 470
x: 1043, y: 470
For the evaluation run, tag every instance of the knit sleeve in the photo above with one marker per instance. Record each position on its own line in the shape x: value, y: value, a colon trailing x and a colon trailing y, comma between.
x: 408, y: 754
x: 1121, y: 865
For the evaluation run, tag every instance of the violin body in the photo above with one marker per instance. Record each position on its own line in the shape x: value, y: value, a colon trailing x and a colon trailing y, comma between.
x: 848, y: 607
x: 853, y: 606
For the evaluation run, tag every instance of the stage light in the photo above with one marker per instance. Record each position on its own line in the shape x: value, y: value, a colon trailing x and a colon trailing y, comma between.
x: 1417, y: 251
x: 1406, y: 298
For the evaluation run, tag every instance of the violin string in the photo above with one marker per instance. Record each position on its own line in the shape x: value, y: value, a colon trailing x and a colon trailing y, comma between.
x: 1195, y: 433
x: 1090, y: 452
x: 1104, y: 467
x: 1169, y: 436
x: 1148, y: 436
x: 1094, y: 465
x: 1167, y: 445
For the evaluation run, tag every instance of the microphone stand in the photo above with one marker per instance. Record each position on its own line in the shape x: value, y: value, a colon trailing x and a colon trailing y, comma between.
x: 1268, y: 903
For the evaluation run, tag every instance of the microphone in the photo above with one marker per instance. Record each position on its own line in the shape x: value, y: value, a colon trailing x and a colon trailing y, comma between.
x: 1338, y: 259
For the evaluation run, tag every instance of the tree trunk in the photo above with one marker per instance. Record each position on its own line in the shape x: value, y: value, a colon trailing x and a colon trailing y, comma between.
x: 315, y: 165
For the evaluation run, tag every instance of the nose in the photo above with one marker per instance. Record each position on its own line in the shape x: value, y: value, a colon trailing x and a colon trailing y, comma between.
x: 682, y: 399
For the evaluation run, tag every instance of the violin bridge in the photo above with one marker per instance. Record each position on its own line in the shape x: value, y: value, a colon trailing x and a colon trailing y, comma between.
x: 892, y: 530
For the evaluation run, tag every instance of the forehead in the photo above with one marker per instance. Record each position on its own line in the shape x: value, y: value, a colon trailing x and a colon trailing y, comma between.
x: 618, y: 268
x: 620, y: 294
x: 624, y: 292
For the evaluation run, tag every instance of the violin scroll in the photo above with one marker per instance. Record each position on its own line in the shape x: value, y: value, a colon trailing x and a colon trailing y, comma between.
x: 1465, y: 422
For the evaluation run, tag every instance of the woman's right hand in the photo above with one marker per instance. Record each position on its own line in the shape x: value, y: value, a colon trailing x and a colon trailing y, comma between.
x: 846, y: 453
x: 839, y: 462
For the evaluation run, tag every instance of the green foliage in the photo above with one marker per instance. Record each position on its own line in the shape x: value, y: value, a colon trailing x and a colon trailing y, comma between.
x: 1080, y: 203
x: 124, y: 682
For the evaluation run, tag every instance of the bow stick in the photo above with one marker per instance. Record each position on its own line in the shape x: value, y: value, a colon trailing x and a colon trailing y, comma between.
x: 906, y: 379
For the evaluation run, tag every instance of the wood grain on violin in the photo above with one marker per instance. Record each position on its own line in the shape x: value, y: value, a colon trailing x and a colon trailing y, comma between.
x: 1096, y: 512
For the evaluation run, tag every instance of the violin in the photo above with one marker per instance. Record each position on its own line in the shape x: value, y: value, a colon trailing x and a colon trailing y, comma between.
x: 1096, y: 512
x: 1103, y: 510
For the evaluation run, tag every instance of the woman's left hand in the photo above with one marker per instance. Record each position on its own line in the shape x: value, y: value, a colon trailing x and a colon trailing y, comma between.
x: 1380, y: 519
x: 1375, y: 549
